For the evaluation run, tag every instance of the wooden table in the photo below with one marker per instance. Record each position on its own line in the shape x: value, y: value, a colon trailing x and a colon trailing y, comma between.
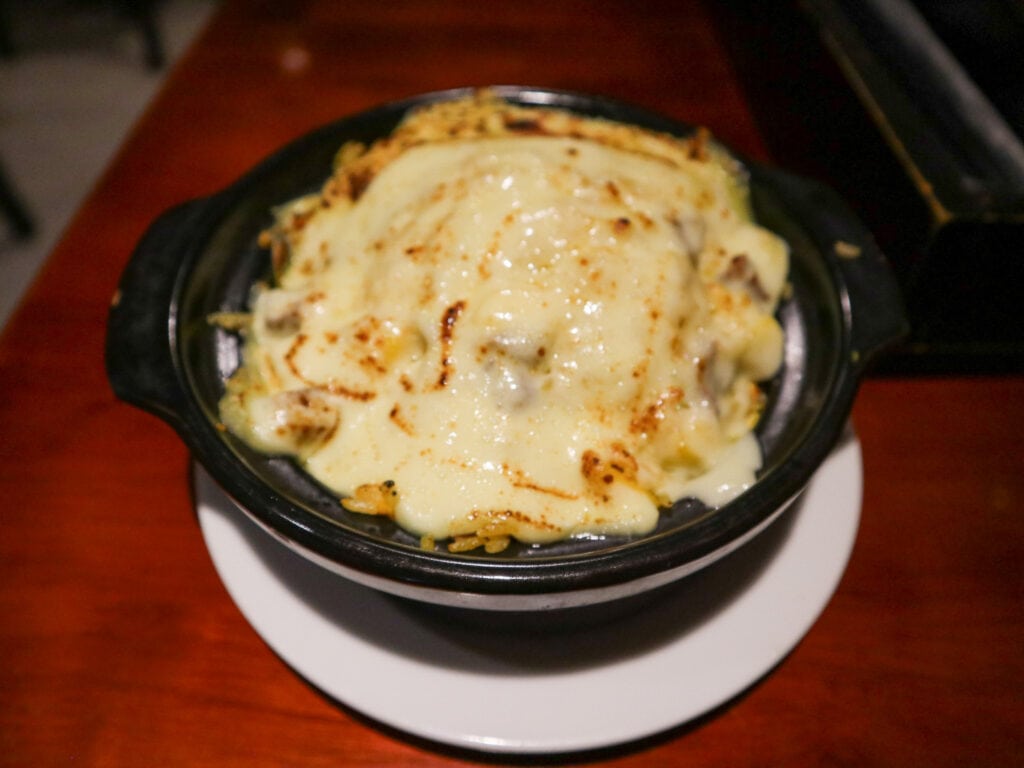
x: 120, y: 646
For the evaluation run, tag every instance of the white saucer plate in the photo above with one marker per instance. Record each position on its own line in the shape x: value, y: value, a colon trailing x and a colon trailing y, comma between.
x: 699, y: 644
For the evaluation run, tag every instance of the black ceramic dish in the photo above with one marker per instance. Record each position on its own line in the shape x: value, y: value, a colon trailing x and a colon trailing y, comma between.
x: 201, y: 257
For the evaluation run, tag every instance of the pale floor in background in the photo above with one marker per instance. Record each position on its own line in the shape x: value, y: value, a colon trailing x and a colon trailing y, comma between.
x: 68, y: 99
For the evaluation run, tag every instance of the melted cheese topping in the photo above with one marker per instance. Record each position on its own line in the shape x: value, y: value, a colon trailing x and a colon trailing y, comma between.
x: 537, y: 330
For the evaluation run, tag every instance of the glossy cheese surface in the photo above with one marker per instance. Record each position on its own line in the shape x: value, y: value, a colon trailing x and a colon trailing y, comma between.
x: 531, y: 336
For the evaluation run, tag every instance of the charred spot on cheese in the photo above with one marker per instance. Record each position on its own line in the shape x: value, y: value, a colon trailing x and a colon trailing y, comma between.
x: 538, y: 325
x: 600, y: 471
x: 446, y: 336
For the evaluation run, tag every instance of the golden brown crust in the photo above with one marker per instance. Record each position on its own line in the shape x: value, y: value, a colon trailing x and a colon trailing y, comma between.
x: 373, y: 499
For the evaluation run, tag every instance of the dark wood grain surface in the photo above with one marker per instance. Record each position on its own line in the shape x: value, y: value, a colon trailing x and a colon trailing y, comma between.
x: 118, y: 643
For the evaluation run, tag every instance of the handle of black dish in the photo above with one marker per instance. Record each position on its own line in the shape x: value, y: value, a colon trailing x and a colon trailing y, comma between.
x: 878, y: 319
x: 140, y: 352
x: 876, y: 301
